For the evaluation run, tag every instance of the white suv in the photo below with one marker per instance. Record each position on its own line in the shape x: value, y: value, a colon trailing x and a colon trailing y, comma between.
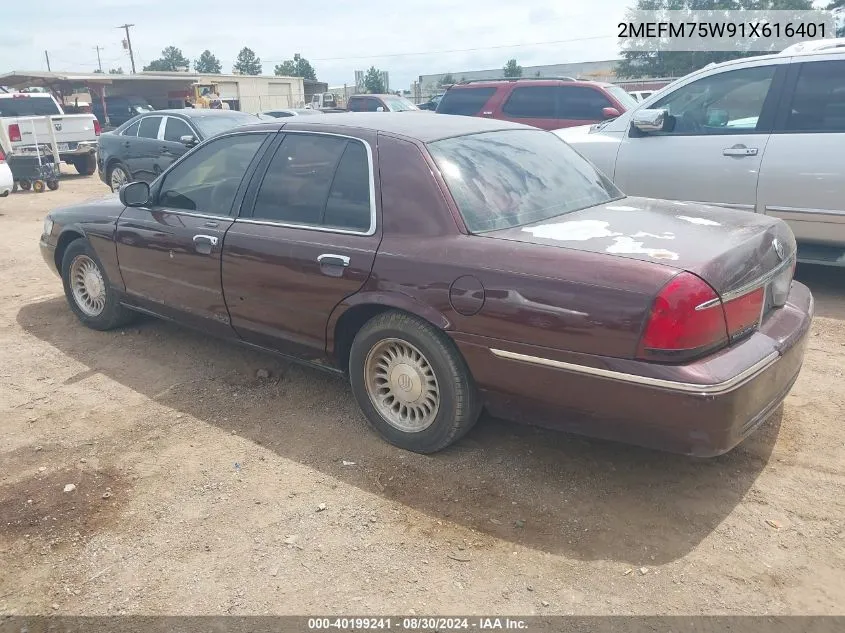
x: 764, y: 134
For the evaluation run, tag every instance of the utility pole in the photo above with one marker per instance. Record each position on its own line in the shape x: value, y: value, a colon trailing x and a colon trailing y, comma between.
x: 47, y: 57
x: 99, y: 63
x: 128, y: 44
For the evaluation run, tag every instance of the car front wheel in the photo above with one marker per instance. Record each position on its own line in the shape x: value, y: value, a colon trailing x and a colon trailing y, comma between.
x: 88, y: 290
x: 411, y: 383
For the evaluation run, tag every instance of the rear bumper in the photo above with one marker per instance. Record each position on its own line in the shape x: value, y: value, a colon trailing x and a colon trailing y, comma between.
x: 704, y: 408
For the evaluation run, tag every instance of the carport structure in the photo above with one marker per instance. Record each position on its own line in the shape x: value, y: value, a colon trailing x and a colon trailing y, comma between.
x: 160, y: 90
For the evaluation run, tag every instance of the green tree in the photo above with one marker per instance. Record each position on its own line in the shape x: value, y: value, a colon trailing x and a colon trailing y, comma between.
x: 446, y: 80
x: 116, y: 71
x: 296, y: 67
x: 171, y: 59
x: 374, y: 81
x: 247, y: 62
x: 207, y: 63
x: 642, y: 63
x: 512, y: 69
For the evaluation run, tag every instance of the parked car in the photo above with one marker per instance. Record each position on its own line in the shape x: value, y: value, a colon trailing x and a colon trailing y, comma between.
x: 760, y: 134
x: 27, y: 119
x: 379, y: 103
x: 431, y: 104
x: 641, y: 95
x: 6, y: 180
x: 143, y: 147
x: 447, y: 264
x: 286, y: 112
x: 545, y: 103
x: 120, y: 109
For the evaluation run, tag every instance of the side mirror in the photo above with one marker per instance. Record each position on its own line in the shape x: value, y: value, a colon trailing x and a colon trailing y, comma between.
x: 609, y: 113
x: 188, y: 140
x: 135, y: 194
x: 648, y: 120
x: 379, y: 109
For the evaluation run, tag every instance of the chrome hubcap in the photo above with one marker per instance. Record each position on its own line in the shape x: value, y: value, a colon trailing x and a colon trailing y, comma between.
x: 88, y: 286
x: 401, y: 385
x: 118, y: 178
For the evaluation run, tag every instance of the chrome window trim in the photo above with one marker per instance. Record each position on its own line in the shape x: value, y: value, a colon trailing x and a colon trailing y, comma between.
x: 312, y: 227
x: 751, y: 285
x: 686, y: 387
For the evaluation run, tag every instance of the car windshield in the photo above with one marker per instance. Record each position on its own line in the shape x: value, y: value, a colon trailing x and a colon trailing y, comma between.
x: 211, y: 125
x: 514, y: 177
x: 25, y: 105
x: 398, y: 104
x: 622, y: 96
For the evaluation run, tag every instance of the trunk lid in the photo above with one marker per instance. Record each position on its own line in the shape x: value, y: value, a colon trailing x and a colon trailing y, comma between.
x: 729, y: 249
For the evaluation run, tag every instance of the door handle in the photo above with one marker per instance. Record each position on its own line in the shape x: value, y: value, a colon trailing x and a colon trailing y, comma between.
x: 739, y: 150
x: 204, y: 244
x: 329, y: 259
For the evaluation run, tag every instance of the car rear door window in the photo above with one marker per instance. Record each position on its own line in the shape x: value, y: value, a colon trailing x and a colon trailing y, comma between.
x: 316, y: 180
x: 207, y: 180
x: 581, y: 102
x: 175, y: 129
x: 356, y: 105
x: 531, y: 102
x: 818, y: 104
x: 465, y: 101
x: 149, y: 127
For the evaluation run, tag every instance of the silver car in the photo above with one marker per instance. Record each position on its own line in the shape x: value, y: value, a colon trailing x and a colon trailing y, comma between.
x: 764, y: 134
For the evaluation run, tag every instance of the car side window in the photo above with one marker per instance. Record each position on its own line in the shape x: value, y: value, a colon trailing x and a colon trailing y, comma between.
x: 356, y: 105
x: 535, y: 102
x: 818, y: 104
x: 175, y: 129
x: 465, y: 101
x: 581, y: 102
x: 149, y: 127
x: 207, y: 180
x: 372, y: 105
x: 724, y: 103
x: 316, y: 180
x: 132, y: 130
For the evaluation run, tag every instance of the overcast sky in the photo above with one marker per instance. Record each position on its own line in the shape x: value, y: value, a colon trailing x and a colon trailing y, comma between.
x: 337, y: 36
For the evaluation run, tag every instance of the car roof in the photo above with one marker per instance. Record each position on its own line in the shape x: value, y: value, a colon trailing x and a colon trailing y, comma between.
x: 197, y: 113
x: 420, y: 125
x: 378, y: 94
x: 538, y: 81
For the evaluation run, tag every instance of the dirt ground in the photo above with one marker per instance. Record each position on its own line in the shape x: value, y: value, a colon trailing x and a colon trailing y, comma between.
x: 198, y: 485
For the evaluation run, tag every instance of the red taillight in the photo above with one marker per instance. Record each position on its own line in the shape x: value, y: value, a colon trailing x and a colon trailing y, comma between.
x: 743, y: 313
x: 15, y: 133
x: 2, y: 156
x: 97, y: 128
x: 686, y: 320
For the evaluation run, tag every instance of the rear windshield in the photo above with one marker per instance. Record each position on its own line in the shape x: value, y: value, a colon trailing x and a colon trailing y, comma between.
x: 466, y: 101
x: 211, y: 125
x: 514, y: 177
x: 28, y: 106
x: 398, y: 104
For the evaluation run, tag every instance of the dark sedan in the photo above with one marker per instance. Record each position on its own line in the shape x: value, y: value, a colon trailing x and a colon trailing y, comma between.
x: 449, y: 264
x: 143, y: 147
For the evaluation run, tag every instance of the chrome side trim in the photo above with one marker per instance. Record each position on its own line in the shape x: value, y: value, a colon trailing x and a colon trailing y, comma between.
x: 725, y: 205
x: 686, y: 387
x: 808, y: 211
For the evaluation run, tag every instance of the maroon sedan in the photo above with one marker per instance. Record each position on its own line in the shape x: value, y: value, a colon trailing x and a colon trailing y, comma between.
x: 448, y: 264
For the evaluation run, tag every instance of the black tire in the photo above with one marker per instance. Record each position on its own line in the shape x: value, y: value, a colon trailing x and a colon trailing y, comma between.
x: 459, y: 402
x: 26, y: 185
x: 113, y: 314
x: 85, y: 165
x: 111, y: 171
x: 52, y: 185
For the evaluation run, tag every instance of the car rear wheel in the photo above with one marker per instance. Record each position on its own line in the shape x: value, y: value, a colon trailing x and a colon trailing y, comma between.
x: 411, y: 383
x: 88, y: 290
x: 118, y: 176
x: 85, y: 165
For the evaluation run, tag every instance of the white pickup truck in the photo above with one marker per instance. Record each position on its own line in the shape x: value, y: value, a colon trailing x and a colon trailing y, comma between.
x: 35, y: 119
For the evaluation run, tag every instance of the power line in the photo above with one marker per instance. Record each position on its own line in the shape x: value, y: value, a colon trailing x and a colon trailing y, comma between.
x: 451, y: 50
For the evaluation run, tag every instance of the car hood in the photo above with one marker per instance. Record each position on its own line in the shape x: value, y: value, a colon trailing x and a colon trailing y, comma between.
x: 726, y: 248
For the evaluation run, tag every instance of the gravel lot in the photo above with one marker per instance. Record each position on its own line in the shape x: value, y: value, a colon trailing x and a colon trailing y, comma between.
x: 198, y: 486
